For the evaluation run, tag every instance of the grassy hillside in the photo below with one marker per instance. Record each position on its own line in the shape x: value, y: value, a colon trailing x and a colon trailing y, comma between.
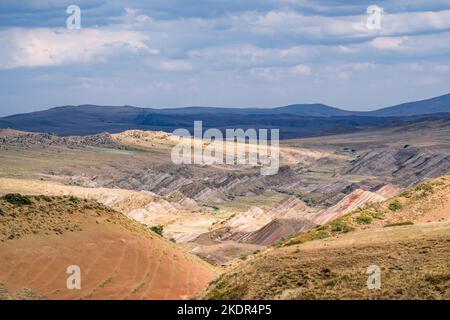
x: 426, y: 202
x: 330, y: 261
x: 40, y: 236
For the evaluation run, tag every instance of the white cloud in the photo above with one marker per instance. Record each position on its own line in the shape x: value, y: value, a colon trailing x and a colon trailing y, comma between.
x: 388, y: 43
x: 441, y: 68
x: 281, y: 73
x: 52, y: 47
x: 290, y: 22
x: 301, y: 69
x: 175, y: 65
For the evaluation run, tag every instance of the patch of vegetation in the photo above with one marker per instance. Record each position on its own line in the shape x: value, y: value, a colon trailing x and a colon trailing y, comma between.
x: 424, y: 187
x: 395, y: 205
x: 215, y: 208
x: 421, y: 191
x: 44, y: 198
x: 17, y: 199
x: 218, y: 283
x: 374, y: 210
x: 320, y: 233
x: 399, y: 224
x: 158, y: 229
x: 222, y: 290
x: 437, y: 278
x: 139, y: 287
x: 105, y: 282
x: 364, y: 218
x: 243, y: 256
x: 309, y: 201
x: 330, y: 282
x: 340, y: 225
x: 73, y: 199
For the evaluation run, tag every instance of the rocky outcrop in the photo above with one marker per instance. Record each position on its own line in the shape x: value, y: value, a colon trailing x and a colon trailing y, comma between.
x: 24, y: 139
x: 354, y: 200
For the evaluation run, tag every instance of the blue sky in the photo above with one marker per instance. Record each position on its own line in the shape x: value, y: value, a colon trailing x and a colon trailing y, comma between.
x: 171, y: 53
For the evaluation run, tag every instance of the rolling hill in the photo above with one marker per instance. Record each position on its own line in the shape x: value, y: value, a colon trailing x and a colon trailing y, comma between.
x: 294, y: 121
x: 40, y: 236
x: 406, y: 237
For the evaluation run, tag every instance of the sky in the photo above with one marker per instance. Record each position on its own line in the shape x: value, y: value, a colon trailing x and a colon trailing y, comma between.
x: 222, y: 53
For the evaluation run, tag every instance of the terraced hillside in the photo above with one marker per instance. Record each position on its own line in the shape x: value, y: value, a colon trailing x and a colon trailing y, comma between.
x: 40, y: 236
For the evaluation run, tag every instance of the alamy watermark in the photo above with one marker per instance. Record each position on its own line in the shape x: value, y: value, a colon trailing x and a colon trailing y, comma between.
x: 374, y: 17
x: 73, y: 22
x: 374, y: 279
x: 74, y: 280
x: 237, y: 147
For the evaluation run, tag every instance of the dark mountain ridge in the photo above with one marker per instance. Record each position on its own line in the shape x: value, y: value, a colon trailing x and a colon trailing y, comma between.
x: 294, y: 121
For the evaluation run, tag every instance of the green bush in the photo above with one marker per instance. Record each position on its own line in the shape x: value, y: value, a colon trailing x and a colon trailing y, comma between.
x: 73, y: 199
x: 158, y: 229
x: 424, y: 187
x: 319, y: 234
x: 364, y: 218
x: 17, y: 199
x: 340, y: 226
x: 377, y: 214
x: 46, y: 198
x: 243, y: 256
x: 395, y: 205
x: 424, y: 190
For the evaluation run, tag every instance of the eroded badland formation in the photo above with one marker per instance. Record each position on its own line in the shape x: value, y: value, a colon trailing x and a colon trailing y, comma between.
x: 337, y: 205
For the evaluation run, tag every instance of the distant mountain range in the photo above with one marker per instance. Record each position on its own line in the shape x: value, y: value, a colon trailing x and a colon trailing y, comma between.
x: 294, y: 121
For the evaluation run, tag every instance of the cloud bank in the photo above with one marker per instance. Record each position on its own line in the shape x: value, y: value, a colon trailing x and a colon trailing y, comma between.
x: 224, y: 53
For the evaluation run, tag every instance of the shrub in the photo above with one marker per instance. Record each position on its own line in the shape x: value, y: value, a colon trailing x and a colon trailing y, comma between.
x: 437, y: 278
x: 158, y: 229
x: 395, y: 205
x: 377, y: 214
x: 17, y: 199
x: 364, y: 218
x: 44, y: 198
x: 341, y: 226
x: 213, y: 207
x: 424, y: 187
x: 424, y: 190
x: 319, y: 234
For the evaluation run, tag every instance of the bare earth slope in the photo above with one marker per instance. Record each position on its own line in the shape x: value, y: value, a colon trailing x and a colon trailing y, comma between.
x: 119, y: 259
